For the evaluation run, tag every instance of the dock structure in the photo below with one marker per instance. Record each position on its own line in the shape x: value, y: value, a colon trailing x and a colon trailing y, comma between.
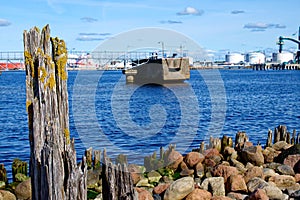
x: 275, y: 66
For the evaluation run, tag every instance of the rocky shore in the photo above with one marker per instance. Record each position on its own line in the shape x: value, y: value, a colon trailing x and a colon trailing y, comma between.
x: 223, y: 170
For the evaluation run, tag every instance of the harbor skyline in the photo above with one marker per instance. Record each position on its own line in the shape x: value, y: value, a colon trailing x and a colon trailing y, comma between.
x: 218, y: 26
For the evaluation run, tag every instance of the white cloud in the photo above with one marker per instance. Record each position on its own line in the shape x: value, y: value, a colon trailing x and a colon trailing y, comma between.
x: 262, y: 26
x: 88, y: 19
x: 4, y: 22
x: 191, y: 11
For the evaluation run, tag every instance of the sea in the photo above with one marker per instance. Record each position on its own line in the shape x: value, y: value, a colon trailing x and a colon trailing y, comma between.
x: 137, y: 120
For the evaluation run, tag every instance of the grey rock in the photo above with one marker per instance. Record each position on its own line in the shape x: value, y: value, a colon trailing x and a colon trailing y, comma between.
x: 215, y: 185
x: 256, y: 183
x: 23, y: 190
x: 274, y: 192
x: 286, y: 170
x: 179, y: 189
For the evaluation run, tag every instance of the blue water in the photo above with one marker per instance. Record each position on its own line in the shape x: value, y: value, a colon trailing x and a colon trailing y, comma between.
x: 136, y: 120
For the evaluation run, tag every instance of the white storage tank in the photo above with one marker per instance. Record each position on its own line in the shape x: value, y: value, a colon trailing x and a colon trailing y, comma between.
x: 282, y: 57
x: 255, y: 58
x: 234, y: 58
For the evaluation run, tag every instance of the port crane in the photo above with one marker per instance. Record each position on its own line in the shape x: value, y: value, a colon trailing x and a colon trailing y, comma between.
x: 281, y: 42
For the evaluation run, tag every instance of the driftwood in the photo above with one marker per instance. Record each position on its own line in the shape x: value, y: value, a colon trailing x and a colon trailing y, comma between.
x: 53, y: 166
x: 117, y: 182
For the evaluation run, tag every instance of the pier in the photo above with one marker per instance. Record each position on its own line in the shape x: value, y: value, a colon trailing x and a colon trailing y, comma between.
x: 275, y: 66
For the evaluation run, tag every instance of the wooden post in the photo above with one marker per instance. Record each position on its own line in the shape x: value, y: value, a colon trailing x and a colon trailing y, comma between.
x: 117, y: 182
x: 3, y: 175
x: 269, y: 139
x: 18, y: 166
x: 53, y: 167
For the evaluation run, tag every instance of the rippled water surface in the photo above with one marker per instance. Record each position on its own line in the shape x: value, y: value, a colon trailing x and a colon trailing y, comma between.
x: 136, y: 120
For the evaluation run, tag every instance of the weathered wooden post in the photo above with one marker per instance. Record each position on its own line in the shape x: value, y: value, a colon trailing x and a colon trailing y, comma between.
x: 53, y: 167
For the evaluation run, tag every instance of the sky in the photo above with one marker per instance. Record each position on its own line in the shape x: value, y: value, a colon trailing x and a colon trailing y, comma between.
x: 215, y: 25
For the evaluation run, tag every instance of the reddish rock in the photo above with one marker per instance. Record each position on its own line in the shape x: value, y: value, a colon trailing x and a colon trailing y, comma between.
x: 211, y: 152
x: 209, y: 162
x: 237, y: 183
x: 224, y: 171
x: 297, y: 178
x: 160, y: 188
x: 199, y: 194
x: 174, y: 159
x: 143, y: 194
x: 193, y: 158
x: 269, y: 154
x: 253, y: 154
x: 259, y: 194
x: 200, y: 170
x: 220, y: 198
x: 292, y: 160
x: 185, y: 171
x: 135, y: 172
x: 253, y: 172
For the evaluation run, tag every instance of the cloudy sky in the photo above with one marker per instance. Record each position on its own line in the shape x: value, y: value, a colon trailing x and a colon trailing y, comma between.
x: 216, y: 25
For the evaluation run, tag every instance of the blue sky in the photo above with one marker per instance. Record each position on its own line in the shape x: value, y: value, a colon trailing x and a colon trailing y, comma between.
x: 217, y: 25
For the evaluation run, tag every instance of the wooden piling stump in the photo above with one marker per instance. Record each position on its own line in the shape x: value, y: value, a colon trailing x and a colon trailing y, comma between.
x: 19, y: 166
x: 53, y: 165
x: 3, y: 175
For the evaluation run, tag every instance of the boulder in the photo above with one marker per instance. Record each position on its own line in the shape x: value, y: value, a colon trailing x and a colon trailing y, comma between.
x: 160, y: 188
x: 173, y: 159
x: 253, y: 172
x: 143, y: 194
x: 256, y: 183
x: 199, y: 168
x: 283, y: 181
x: 236, y: 196
x: 253, y: 154
x: 23, y: 190
x: 220, y: 198
x: 136, y: 172
x: 267, y: 173
x: 7, y: 195
x: 285, y: 170
x: 281, y: 145
x: 185, y: 171
x: 193, y: 158
x: 179, y: 189
x: 297, y: 178
x: 291, y: 160
x: 274, y: 192
x: 2, y: 184
x: 258, y: 194
x: 199, y: 194
x: 215, y: 185
x: 224, y: 171
x: 237, y: 183
x: 295, y: 149
x: 154, y: 176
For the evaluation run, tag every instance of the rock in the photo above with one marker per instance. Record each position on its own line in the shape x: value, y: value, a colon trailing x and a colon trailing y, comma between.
x: 193, y: 158
x: 160, y: 188
x: 224, y: 171
x: 283, y: 181
x: 143, y: 194
x: 295, y: 195
x: 240, y: 166
x: 157, y: 197
x: 281, y: 145
x: 253, y: 172
x: 274, y: 192
x: 174, y: 159
x: 297, y: 167
x: 99, y: 197
x: 220, y: 198
x: 2, y: 184
x: 7, y: 195
x: 144, y: 182
x: 256, y: 183
x: 294, y: 188
x: 285, y: 170
x: 199, y: 170
x: 154, y: 176
x: 21, y: 177
x: 267, y: 173
x: 93, y: 177
x: 295, y: 149
x: 179, y: 189
x: 269, y: 154
x: 185, y: 171
x: 258, y: 194
x: 237, y: 183
x: 236, y: 196
x: 291, y: 160
x: 253, y: 154
x: 297, y: 178
x: 136, y: 172
x: 215, y: 185
x: 199, y: 194
x: 23, y: 190
x: 211, y: 153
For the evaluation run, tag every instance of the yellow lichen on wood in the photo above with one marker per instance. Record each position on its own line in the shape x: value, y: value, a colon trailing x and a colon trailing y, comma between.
x: 42, y: 73
x: 28, y: 103
x: 37, y: 29
x: 29, y: 62
x: 60, y: 57
x: 67, y: 135
x: 50, y: 82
